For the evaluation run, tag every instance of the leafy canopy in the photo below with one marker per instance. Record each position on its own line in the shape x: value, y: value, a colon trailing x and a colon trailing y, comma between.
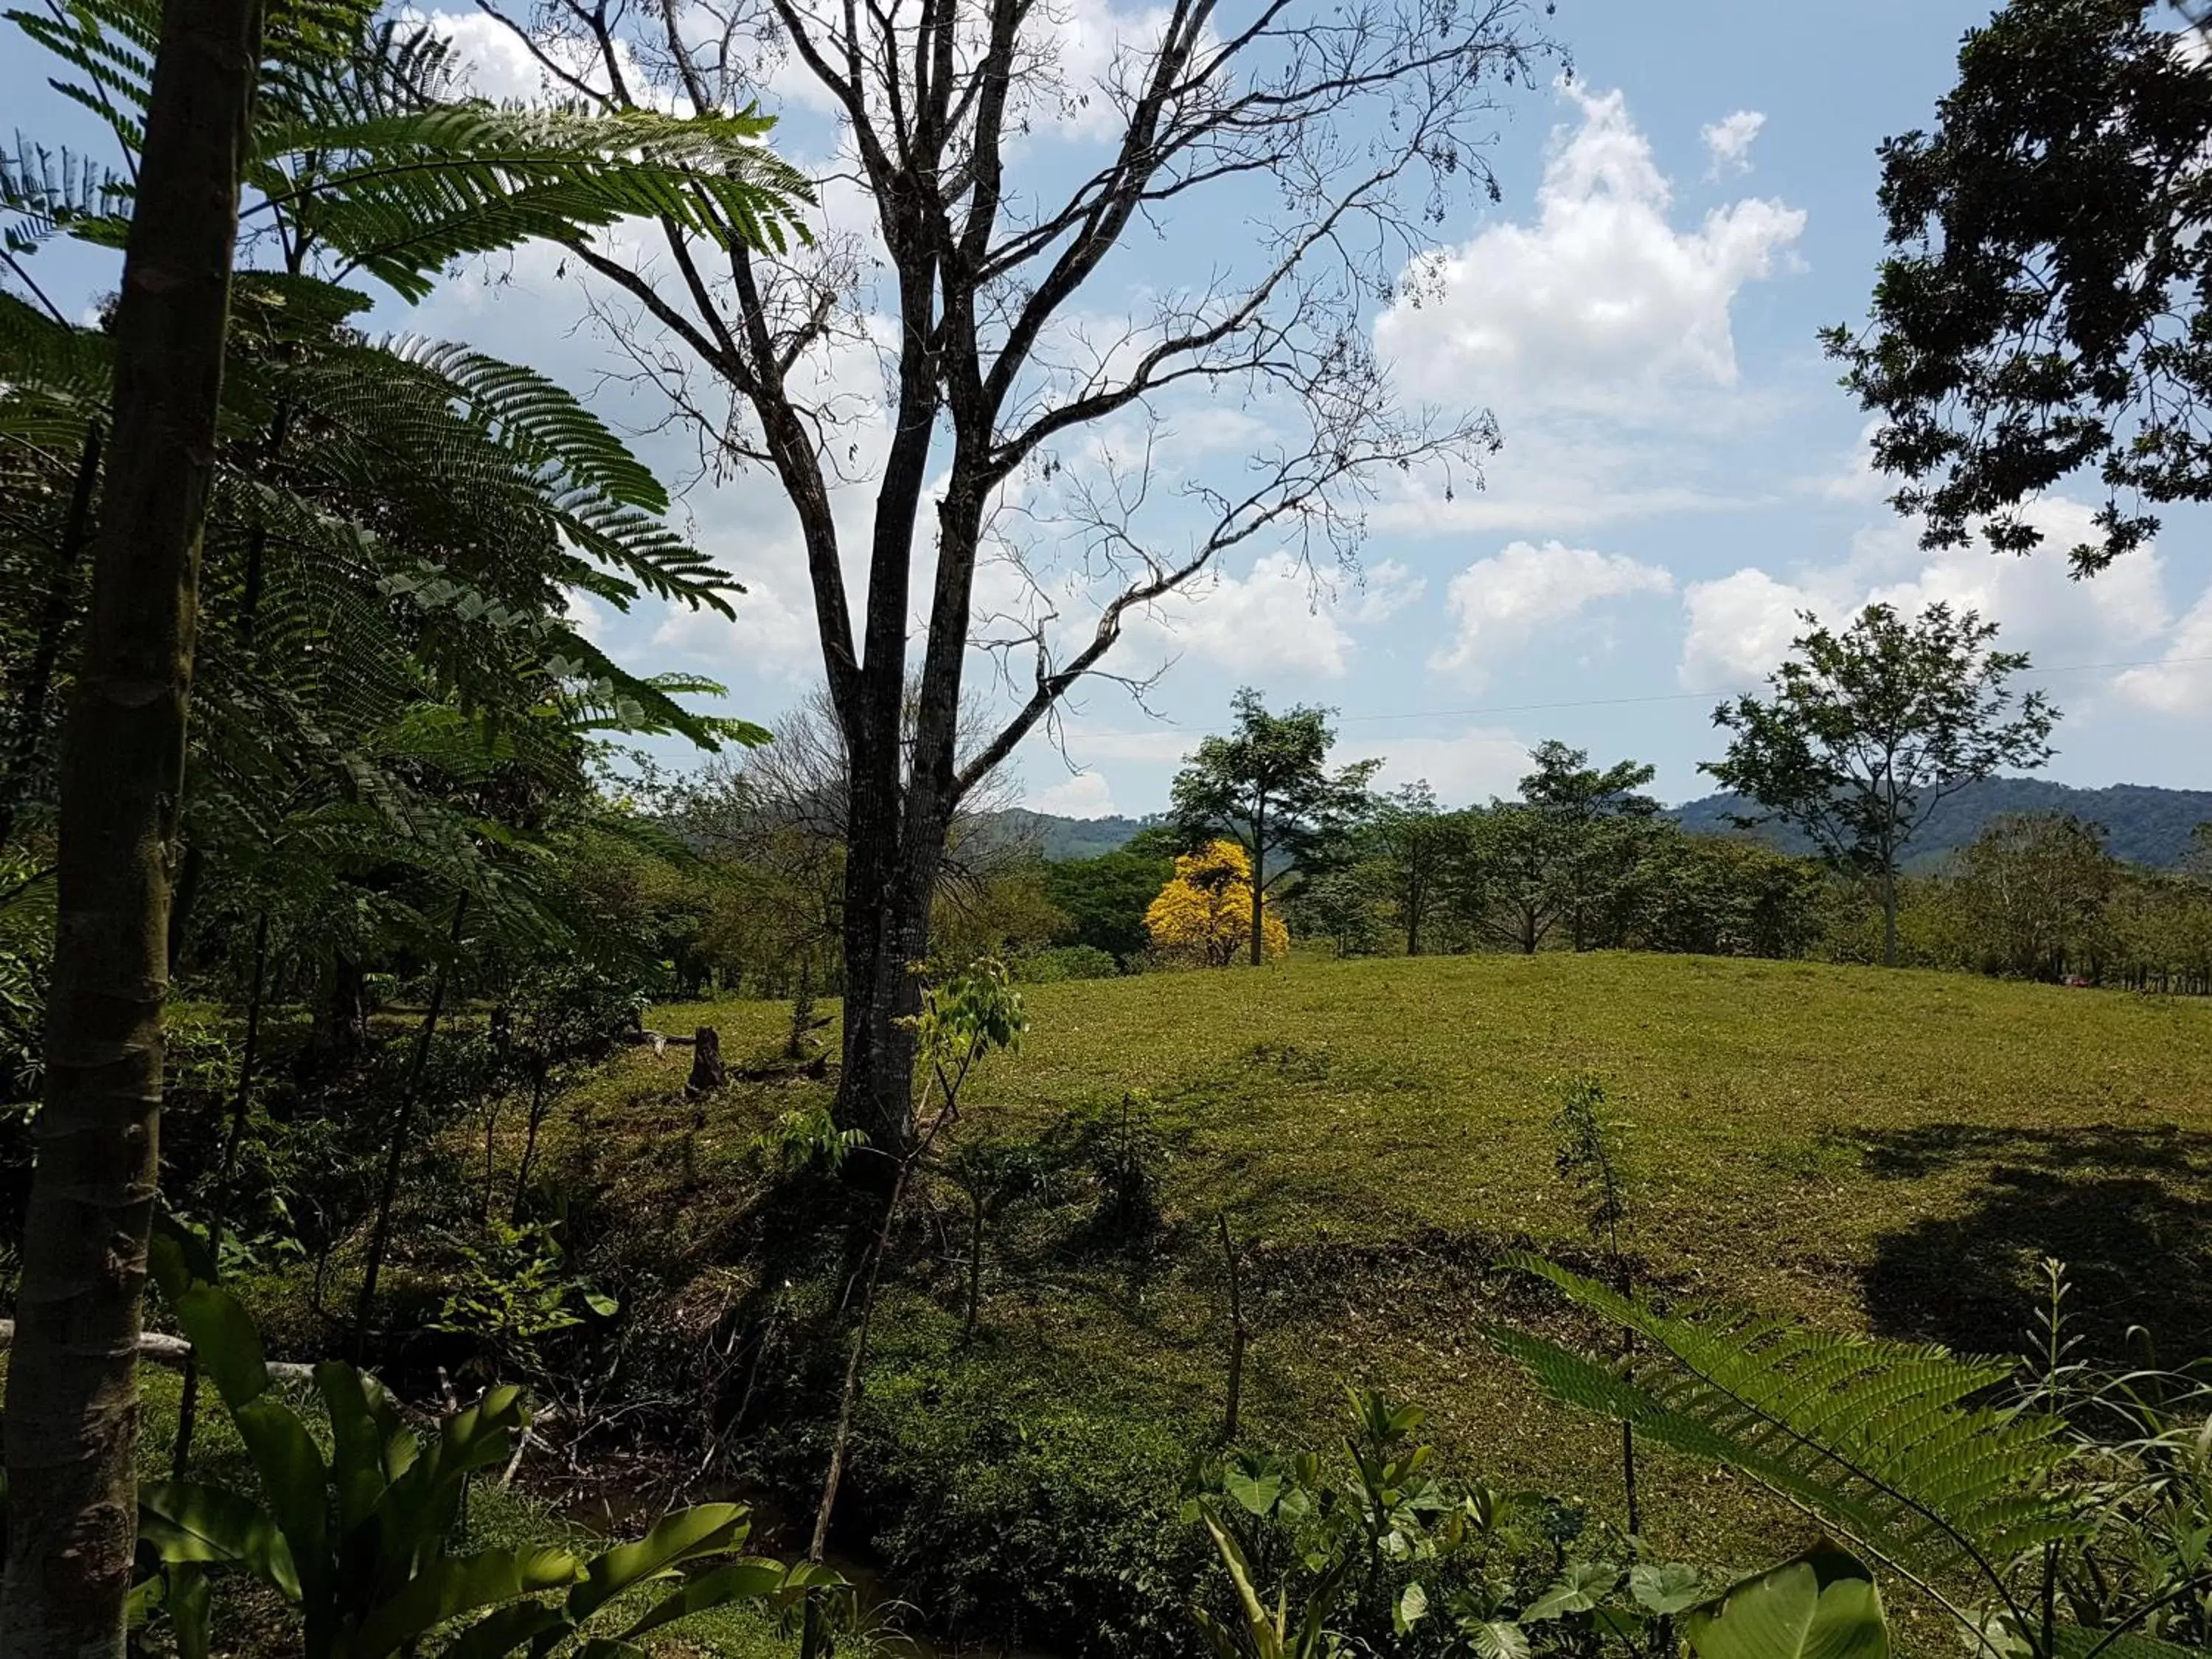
x: 1203, y: 915
x: 2042, y: 312
x: 1869, y: 730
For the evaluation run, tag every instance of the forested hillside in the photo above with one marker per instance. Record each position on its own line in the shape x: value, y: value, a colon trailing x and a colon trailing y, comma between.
x: 2142, y: 824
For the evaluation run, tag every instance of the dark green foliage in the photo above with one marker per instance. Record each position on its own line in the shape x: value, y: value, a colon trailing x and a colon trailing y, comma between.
x: 1268, y: 788
x: 1027, y: 1519
x: 2041, y: 313
x: 361, y: 1544
x: 1104, y: 899
x: 1725, y: 897
x: 1056, y: 963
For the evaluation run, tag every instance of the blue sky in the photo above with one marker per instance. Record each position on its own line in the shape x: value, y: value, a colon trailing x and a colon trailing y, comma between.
x: 1679, y: 475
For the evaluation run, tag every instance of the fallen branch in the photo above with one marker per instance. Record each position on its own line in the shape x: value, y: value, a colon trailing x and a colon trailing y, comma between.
x: 174, y: 1351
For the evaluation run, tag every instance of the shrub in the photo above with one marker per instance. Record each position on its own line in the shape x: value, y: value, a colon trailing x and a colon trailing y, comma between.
x: 1064, y: 962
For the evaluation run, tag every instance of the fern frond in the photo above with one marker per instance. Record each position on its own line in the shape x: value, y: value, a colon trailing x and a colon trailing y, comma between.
x: 1885, y: 1442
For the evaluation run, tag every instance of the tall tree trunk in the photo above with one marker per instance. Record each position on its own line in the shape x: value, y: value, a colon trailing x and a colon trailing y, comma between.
x: 1259, y: 882
x: 885, y: 936
x: 1888, y: 912
x: 30, y: 698
x: 73, y: 1405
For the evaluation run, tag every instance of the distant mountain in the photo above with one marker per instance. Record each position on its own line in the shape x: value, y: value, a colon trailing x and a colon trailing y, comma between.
x: 1057, y: 838
x: 2142, y: 824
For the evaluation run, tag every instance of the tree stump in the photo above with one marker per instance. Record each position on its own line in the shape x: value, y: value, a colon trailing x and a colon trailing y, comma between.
x: 707, y: 1072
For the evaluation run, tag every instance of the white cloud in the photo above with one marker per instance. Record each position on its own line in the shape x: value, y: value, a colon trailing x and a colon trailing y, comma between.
x: 773, y: 634
x: 1727, y: 142
x: 1601, y: 303
x: 1083, y: 795
x: 2182, y: 682
x: 1499, y: 604
x: 1740, y: 627
x: 1478, y: 763
x: 1281, y: 616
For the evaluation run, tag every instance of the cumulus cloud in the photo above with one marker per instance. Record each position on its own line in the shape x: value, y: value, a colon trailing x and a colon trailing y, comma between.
x: 1739, y: 627
x: 1282, y: 616
x: 2181, y: 682
x: 1082, y: 795
x: 1603, y: 303
x: 1499, y: 604
x: 1727, y: 142
x: 1478, y: 762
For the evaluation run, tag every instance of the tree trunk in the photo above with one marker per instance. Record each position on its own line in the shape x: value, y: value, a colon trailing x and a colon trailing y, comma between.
x: 886, y: 935
x: 73, y: 1404
x: 1889, y: 913
x: 402, y: 1121
x: 1259, y: 882
x: 707, y: 1072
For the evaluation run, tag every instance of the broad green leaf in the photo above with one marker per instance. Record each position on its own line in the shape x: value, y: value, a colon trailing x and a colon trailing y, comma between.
x: 295, y: 1485
x: 358, y: 1435
x: 1255, y: 1484
x: 222, y: 1333
x: 190, y: 1602
x: 1411, y: 1607
x: 1495, y: 1639
x: 711, y: 1528
x: 1823, y: 1605
x: 723, y: 1587
x: 190, y: 1525
x: 1580, y: 1587
x: 503, y: 1630
x: 1664, y: 1587
x: 452, y: 1585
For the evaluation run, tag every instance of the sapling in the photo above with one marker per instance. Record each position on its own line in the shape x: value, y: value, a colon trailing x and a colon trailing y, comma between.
x: 1589, y: 1162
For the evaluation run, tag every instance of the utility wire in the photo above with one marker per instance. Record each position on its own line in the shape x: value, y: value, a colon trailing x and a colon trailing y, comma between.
x: 1700, y: 697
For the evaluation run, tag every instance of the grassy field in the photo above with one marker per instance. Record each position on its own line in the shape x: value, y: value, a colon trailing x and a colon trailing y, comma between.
x: 1889, y: 1150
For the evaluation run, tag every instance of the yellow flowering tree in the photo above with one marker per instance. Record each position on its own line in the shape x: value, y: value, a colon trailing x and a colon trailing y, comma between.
x: 1205, y: 915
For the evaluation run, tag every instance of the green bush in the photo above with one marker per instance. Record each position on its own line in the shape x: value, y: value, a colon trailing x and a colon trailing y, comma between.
x: 1055, y: 963
x: 1026, y: 1521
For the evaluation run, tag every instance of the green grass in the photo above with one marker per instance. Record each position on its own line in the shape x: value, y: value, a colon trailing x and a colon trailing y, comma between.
x: 1887, y: 1151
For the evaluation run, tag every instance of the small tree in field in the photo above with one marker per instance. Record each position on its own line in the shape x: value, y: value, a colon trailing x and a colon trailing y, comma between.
x: 1205, y: 915
x: 1869, y: 730
x: 1267, y: 786
x: 1413, y: 842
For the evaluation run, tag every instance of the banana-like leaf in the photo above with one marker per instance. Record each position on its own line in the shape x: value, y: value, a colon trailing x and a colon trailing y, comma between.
x: 452, y: 1586
x: 294, y: 1484
x: 503, y: 1630
x: 222, y: 1333
x: 720, y: 1587
x: 709, y: 1530
x: 1823, y: 1605
x: 362, y: 1425
x: 190, y: 1604
x: 188, y: 1523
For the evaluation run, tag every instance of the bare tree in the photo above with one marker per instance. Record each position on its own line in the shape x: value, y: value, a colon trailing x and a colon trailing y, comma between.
x: 1332, y: 134
x: 780, y: 812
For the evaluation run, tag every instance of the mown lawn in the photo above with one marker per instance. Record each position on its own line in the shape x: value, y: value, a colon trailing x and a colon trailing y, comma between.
x: 1889, y: 1150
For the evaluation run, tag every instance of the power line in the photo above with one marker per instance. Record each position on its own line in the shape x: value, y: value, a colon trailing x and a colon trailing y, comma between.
x: 1700, y: 697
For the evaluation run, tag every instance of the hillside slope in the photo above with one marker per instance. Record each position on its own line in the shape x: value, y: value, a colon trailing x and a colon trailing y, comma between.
x: 1884, y: 1150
